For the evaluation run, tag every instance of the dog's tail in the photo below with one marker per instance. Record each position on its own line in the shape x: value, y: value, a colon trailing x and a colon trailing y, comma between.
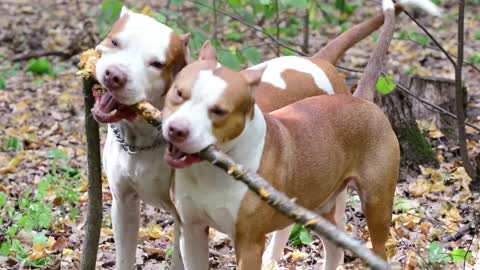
x: 336, y: 48
x: 375, y: 63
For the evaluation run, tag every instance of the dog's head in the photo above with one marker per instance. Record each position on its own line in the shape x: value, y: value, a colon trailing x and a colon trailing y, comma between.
x: 140, y: 58
x: 207, y: 104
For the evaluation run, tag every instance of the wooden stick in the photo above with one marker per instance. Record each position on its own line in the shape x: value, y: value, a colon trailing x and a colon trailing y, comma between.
x: 95, y: 207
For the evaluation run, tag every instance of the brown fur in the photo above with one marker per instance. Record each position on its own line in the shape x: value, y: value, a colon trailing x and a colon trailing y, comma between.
x: 300, y: 85
x: 313, y: 148
x: 117, y: 27
x: 175, y: 59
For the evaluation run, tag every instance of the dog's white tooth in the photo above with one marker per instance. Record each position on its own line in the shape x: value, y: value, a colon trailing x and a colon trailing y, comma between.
x: 184, y: 158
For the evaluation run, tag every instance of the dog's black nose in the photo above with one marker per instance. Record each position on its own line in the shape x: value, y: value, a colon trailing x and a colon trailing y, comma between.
x: 115, y: 78
x: 178, y: 132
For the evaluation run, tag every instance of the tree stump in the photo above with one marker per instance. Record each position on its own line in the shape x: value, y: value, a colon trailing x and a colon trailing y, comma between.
x: 403, y: 110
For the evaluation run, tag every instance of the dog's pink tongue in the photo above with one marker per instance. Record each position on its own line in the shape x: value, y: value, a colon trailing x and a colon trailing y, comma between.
x: 108, y: 110
x: 179, y: 160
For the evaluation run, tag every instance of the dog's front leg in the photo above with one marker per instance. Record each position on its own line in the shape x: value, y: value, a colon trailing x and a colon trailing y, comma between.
x: 274, y: 251
x: 194, y: 246
x: 125, y: 221
x: 248, y: 249
x: 177, y: 263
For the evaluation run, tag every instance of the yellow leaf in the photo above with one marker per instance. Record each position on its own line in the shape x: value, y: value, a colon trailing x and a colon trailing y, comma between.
x: 298, y: 256
x: 38, y: 252
x: 435, y: 134
x: 155, y: 232
x: 419, y: 188
x: 147, y: 10
x: 67, y: 252
x: 454, y: 215
x: 439, y: 187
x: 391, y: 246
x: 425, y: 227
x: 51, y: 241
x: 20, y: 106
x: 412, y: 260
x: 106, y: 231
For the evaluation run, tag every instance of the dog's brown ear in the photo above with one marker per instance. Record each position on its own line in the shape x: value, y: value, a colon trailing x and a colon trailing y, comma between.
x: 207, y: 52
x: 186, y: 40
x: 253, y: 76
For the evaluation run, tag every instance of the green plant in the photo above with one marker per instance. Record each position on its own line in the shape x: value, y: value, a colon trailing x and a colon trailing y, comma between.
x: 109, y: 13
x: 33, y: 211
x: 13, y: 144
x: 439, y: 256
x: 300, y: 236
x: 385, y: 85
x: 42, y: 67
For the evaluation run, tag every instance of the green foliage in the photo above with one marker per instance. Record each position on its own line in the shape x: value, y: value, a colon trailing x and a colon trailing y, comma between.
x: 3, y: 83
x: 169, y: 252
x: 109, y: 13
x: 475, y: 59
x: 404, y: 205
x: 300, y: 236
x: 385, y: 85
x: 41, y: 67
x: 13, y: 144
x: 439, y: 256
x: 33, y: 211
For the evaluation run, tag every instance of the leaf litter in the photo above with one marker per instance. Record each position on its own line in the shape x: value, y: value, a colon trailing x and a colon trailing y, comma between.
x: 42, y: 136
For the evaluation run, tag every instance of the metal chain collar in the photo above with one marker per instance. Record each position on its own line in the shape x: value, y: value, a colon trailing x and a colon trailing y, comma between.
x: 132, y: 149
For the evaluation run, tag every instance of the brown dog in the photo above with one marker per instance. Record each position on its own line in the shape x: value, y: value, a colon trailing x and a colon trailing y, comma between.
x: 311, y: 150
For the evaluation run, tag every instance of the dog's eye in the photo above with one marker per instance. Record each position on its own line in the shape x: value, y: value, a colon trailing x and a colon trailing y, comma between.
x: 178, y: 93
x: 219, y: 112
x: 157, y: 64
x: 114, y: 43
x: 178, y: 96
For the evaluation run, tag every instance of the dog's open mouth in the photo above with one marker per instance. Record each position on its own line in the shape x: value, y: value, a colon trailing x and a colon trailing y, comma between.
x: 108, y: 110
x: 178, y: 159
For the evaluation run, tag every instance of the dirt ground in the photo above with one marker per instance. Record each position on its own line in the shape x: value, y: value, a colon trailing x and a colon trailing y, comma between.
x: 46, y: 113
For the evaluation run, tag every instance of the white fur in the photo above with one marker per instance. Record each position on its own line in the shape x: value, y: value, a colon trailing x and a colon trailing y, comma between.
x: 276, y: 66
x: 425, y: 5
x: 131, y: 178
x: 387, y: 4
x: 205, y: 93
x: 143, y: 176
x: 142, y: 41
x: 206, y: 196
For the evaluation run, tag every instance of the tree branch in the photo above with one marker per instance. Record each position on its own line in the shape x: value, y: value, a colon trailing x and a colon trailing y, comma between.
x: 462, y: 137
x: 95, y: 208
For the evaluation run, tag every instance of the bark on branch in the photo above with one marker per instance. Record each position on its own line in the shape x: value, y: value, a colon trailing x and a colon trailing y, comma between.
x: 95, y: 208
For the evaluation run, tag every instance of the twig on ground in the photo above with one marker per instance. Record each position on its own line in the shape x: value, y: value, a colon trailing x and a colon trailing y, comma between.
x: 64, y: 55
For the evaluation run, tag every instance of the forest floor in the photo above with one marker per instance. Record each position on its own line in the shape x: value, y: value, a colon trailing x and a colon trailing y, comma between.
x: 43, y: 153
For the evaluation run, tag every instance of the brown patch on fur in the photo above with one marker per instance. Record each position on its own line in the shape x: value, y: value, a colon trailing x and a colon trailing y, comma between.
x: 117, y: 27
x: 235, y: 100
x: 176, y: 59
x: 184, y: 82
x: 300, y: 85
